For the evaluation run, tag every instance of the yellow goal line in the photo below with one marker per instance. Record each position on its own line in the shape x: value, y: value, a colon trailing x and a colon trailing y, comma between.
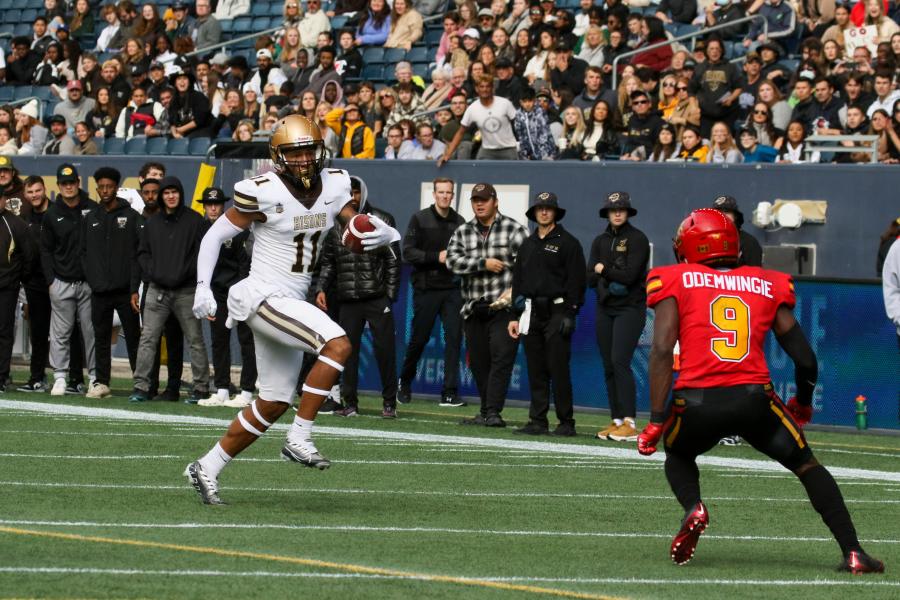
x: 310, y: 562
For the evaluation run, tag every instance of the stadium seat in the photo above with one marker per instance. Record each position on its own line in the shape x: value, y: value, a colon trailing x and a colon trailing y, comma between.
x: 44, y: 92
x: 372, y: 73
x: 259, y: 9
x: 388, y: 73
x: 242, y: 25
x: 227, y: 25
x: 136, y: 145
x: 338, y: 22
x: 417, y: 54
x: 421, y: 69
x: 29, y: 15
x: 433, y: 36
x: 6, y: 93
x: 791, y: 64
x: 394, y: 55
x: 38, y: 5
x: 7, y: 29
x: 380, y: 146
x: 276, y: 10
x: 156, y: 146
x: 199, y: 146
x: 114, y: 146
x: 178, y: 146
x: 260, y: 24
x: 99, y: 143
x: 23, y: 91
x: 6, y: 4
x: 22, y: 29
x: 12, y: 15
x: 373, y: 56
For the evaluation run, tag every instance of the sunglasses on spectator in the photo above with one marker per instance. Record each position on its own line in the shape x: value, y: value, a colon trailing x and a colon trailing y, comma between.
x: 681, y: 88
x: 636, y: 102
x: 760, y: 112
x: 670, y: 84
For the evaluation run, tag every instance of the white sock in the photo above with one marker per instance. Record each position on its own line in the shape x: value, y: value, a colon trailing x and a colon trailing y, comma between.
x: 248, y: 396
x: 336, y: 392
x: 301, y: 431
x: 214, y: 461
x: 618, y: 422
x: 223, y: 393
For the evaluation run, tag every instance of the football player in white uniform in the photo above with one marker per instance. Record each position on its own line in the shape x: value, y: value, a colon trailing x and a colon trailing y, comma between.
x: 290, y: 212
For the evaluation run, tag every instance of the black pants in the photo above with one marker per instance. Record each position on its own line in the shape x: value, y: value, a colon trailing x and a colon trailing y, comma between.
x: 9, y: 299
x: 102, y: 307
x: 353, y: 318
x: 427, y: 305
x: 221, y: 348
x: 492, y: 355
x: 548, y: 354
x: 174, y: 353
x: 618, y: 333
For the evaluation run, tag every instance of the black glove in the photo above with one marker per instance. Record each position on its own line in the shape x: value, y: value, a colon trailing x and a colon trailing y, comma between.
x: 567, y: 326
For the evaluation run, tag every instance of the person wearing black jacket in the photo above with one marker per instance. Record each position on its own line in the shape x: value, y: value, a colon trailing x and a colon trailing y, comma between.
x: 109, y: 241
x: 16, y: 262
x: 167, y: 255
x: 643, y: 126
x: 189, y: 111
x: 70, y: 295
x: 232, y: 266
x: 435, y: 290
x: 751, y: 251
x: 366, y: 285
x: 549, y: 281
x: 617, y: 268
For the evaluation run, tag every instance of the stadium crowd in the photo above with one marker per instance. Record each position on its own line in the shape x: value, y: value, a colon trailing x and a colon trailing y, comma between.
x: 573, y: 80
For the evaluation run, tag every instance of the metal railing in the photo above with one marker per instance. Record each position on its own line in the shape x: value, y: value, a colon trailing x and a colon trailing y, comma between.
x: 867, y: 144
x: 232, y: 41
x: 686, y: 36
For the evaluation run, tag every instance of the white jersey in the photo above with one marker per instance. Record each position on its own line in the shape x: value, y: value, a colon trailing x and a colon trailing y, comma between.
x: 288, y: 243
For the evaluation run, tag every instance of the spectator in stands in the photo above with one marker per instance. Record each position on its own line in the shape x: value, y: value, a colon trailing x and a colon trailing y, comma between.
x: 568, y: 72
x: 133, y: 54
x: 855, y: 93
x: 8, y: 145
x: 509, y: 85
x: 406, y: 26
x: 109, y: 14
x: 471, y: 43
x: 266, y: 71
x: 181, y: 23
x: 535, y: 67
x: 408, y: 106
x: 497, y: 141
x: 829, y: 111
x: 794, y: 148
x: 840, y: 27
x: 666, y: 146
x: 395, y: 143
x: 436, y: 93
x: 288, y: 49
x: 238, y: 72
x: 229, y: 9
x: 75, y: 107
x: 349, y: 62
x: 189, y: 112
x: 31, y: 136
x: 41, y: 37
x: 356, y: 139
x: 522, y: 52
x: 324, y: 72
x: 752, y: 150
x: 722, y: 12
x: 722, y: 148
x: 888, y: 141
x: 601, y: 133
x: 127, y: 14
x: 779, y: 108
x: 46, y: 71
x: 425, y: 147
x: 448, y: 130
x: 693, y: 148
x: 84, y: 140
x: 59, y: 141
x: 857, y: 124
x: 55, y: 11
x: 163, y: 53
x: 156, y: 80
x: 148, y: 24
x: 487, y: 57
x: 206, y: 30
x: 686, y: 111
x: 570, y: 143
x: 593, y: 90
x: 532, y: 128
x: 244, y: 131
x: 717, y: 85
x: 105, y: 114
x: 781, y: 19
x: 313, y: 23
x: 677, y: 11
x: 71, y: 67
x: 593, y: 47
x: 815, y: 16
x: 875, y: 15
x: 21, y: 62
x: 652, y: 32
x: 500, y: 44
x: 113, y: 79
x: 642, y: 128
x: 886, y: 95
x: 668, y: 96
x: 805, y: 104
x: 140, y: 115
x: 231, y: 112
x: 108, y: 254
x: 70, y: 296
x: 168, y: 257
x: 308, y: 103
x: 82, y: 21
x: 760, y: 121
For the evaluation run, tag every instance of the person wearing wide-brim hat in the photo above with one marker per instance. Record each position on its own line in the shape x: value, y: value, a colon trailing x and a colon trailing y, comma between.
x: 617, y: 267
x: 189, y: 110
x: 232, y: 266
x: 548, y: 290
x: 751, y: 250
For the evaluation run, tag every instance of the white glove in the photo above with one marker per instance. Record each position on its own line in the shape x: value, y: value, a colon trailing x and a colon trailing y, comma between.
x: 204, y: 302
x: 382, y: 235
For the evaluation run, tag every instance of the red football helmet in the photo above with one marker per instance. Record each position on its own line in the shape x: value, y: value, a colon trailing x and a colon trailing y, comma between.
x: 707, y: 236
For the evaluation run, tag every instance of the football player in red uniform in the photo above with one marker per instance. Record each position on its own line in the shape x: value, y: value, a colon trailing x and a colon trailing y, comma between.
x: 720, y: 314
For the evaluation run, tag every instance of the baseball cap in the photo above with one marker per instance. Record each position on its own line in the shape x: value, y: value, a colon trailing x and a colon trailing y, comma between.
x: 485, y: 12
x: 56, y: 119
x: 156, y: 65
x: 263, y: 53
x: 74, y: 85
x: 219, y: 59
x: 503, y: 63
x: 66, y: 173
x: 6, y: 163
x: 483, y: 191
x: 179, y: 5
x: 472, y: 33
x: 137, y: 69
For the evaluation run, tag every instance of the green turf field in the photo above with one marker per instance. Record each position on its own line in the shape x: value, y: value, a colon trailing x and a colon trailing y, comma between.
x: 93, y: 504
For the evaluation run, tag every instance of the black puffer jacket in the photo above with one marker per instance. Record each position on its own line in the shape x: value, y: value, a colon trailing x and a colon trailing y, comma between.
x: 359, y: 276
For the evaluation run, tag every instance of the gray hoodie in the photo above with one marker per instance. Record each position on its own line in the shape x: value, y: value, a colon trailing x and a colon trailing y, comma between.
x: 74, y: 113
x: 890, y: 283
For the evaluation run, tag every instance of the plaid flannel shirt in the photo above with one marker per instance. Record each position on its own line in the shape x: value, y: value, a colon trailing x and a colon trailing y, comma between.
x: 468, y: 251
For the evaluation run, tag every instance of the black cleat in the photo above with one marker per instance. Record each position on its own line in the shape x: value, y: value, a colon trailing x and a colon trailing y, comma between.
x: 451, y: 399
x: 309, y: 457
x: 494, y: 421
x: 860, y: 563
x: 167, y: 395
x: 205, y: 485
x: 532, y: 428
x: 404, y: 393
x: 329, y: 407
x: 476, y: 420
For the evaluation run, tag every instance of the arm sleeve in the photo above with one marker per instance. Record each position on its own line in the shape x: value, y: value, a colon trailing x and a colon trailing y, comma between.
x: 48, y: 242
x: 25, y: 247
x: 457, y: 261
x: 806, y: 369
x: 592, y: 277
x: 411, y: 253
x: 638, y: 256
x: 223, y: 229
x: 577, y: 276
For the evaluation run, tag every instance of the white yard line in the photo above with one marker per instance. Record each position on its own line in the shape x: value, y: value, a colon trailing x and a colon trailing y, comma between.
x: 550, y: 447
x: 856, y: 582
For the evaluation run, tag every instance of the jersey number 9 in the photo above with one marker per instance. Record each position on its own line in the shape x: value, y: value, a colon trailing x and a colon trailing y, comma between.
x: 731, y: 316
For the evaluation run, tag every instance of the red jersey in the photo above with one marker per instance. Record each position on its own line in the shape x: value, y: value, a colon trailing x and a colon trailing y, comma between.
x: 724, y: 317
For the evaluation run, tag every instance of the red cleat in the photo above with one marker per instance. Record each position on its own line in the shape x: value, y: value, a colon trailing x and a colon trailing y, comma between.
x: 685, y: 541
x: 859, y: 563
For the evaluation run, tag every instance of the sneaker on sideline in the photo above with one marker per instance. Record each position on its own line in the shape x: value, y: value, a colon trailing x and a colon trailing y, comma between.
x: 98, y: 391
x: 347, y: 411
x: 59, y: 388
x: 32, y: 386
x: 603, y: 434
x: 624, y: 433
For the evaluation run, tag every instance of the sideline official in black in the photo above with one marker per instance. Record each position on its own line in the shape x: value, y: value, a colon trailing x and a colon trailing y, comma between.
x: 16, y: 262
x: 751, y: 251
x: 549, y: 277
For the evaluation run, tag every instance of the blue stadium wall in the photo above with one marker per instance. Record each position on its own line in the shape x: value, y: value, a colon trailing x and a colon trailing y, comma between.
x: 855, y: 344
